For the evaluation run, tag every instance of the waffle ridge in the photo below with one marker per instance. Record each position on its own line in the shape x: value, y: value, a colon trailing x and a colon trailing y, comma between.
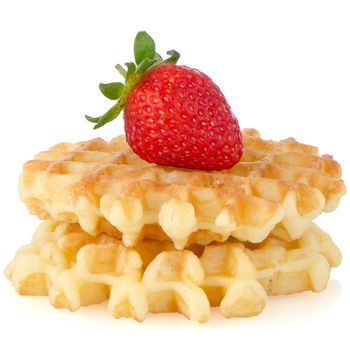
x: 105, y: 187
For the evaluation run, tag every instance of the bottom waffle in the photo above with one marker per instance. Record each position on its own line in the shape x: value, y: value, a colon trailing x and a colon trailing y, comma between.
x: 75, y: 269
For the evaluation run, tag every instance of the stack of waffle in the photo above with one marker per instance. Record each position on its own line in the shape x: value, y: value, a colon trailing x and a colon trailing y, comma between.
x: 159, y: 239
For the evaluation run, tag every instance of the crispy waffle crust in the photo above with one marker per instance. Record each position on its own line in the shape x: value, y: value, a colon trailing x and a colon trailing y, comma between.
x: 76, y: 269
x: 105, y: 187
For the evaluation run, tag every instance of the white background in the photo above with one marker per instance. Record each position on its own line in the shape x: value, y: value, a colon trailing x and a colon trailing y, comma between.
x: 284, y: 68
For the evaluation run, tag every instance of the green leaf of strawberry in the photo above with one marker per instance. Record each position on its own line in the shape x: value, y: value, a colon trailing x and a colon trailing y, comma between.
x: 174, y: 115
x: 131, y: 70
x: 111, y: 114
x: 146, y: 64
x: 174, y: 57
x: 144, y: 47
x: 112, y: 90
x: 121, y: 70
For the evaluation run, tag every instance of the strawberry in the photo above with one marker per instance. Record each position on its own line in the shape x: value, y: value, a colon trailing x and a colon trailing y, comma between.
x: 174, y: 115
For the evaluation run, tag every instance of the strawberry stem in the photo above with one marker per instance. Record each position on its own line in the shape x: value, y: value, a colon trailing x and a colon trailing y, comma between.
x: 146, y: 58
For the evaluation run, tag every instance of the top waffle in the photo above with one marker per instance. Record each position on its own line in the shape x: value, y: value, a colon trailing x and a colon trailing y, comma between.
x: 107, y: 188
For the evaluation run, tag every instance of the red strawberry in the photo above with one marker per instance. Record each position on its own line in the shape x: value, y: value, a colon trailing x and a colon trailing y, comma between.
x: 174, y: 115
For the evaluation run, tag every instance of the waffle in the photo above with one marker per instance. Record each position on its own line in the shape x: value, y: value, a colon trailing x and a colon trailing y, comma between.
x: 74, y: 269
x: 105, y: 187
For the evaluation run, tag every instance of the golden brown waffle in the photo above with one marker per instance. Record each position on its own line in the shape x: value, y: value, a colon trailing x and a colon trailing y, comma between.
x: 105, y: 187
x: 76, y: 269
